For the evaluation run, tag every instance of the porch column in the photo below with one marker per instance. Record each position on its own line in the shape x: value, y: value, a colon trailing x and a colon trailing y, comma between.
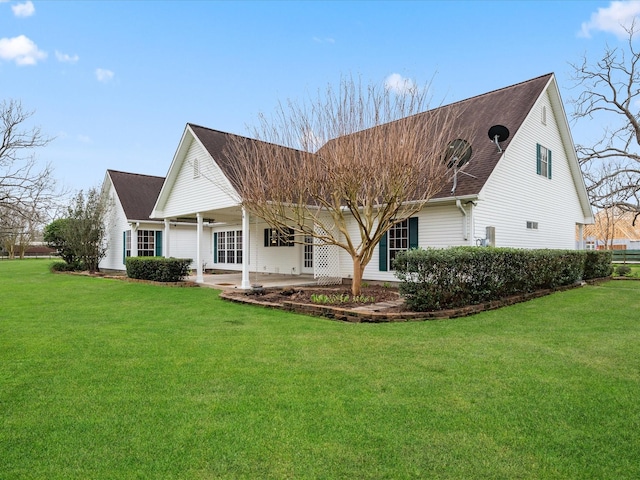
x: 245, y: 284
x: 134, y: 239
x: 165, y: 247
x: 199, y: 277
x: 581, y: 245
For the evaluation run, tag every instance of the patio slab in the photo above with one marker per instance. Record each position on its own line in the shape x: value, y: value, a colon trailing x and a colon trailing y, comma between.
x: 230, y: 281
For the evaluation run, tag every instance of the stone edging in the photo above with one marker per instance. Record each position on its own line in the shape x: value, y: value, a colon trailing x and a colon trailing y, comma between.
x: 360, y: 316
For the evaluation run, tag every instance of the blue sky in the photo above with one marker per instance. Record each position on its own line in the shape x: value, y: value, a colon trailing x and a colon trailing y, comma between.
x: 115, y: 82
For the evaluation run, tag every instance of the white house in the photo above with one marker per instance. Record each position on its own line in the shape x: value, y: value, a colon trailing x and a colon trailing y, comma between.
x: 525, y: 190
x: 132, y: 232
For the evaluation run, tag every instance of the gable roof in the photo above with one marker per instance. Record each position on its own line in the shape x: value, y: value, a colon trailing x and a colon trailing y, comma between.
x: 508, y: 106
x: 137, y: 193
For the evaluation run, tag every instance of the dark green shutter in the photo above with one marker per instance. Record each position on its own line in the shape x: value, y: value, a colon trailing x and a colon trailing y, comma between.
x: 215, y: 247
x: 538, y: 163
x: 158, y: 243
x: 290, y: 239
x: 266, y: 237
x: 413, y: 233
x: 549, y: 163
x: 383, y: 254
x: 124, y: 247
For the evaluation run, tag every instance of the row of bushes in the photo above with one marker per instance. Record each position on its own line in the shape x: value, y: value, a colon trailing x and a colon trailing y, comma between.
x: 447, y: 278
x: 158, y: 269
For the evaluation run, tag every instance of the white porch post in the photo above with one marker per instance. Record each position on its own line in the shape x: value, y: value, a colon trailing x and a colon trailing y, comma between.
x: 165, y: 247
x: 581, y: 245
x: 245, y: 285
x: 134, y: 239
x: 199, y: 277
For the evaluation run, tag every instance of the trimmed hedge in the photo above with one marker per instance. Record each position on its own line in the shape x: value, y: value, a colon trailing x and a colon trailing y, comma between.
x: 158, y: 269
x: 447, y: 278
x: 598, y: 264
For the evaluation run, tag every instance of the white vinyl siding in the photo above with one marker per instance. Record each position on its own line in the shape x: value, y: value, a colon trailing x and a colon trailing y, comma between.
x: 515, y: 194
x: 209, y: 191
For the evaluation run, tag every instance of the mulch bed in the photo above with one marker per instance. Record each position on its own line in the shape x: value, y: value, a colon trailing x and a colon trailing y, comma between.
x: 337, y: 296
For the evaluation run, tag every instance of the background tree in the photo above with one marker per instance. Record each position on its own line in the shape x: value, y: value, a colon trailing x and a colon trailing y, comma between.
x: 27, y: 192
x: 379, y: 163
x: 54, y: 235
x: 610, y: 95
x: 84, y: 231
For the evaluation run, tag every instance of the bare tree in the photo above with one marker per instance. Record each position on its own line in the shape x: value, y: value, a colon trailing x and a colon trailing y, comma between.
x: 610, y: 95
x: 27, y: 191
x: 379, y: 163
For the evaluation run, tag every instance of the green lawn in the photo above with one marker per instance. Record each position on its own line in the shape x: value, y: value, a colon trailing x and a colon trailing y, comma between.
x: 103, y: 379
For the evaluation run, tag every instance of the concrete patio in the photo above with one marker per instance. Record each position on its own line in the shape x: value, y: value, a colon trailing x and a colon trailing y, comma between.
x: 230, y: 281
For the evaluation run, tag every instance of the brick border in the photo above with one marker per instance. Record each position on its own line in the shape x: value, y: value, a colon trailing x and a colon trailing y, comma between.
x: 361, y: 316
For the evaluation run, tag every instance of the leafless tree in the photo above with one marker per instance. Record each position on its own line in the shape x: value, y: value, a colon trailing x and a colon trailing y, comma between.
x: 345, y: 167
x: 610, y: 95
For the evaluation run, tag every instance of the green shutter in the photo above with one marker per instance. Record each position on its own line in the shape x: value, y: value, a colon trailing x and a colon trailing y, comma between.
x: 290, y: 239
x: 538, y: 164
x: 383, y: 254
x: 413, y: 233
x: 158, y: 243
x: 124, y: 247
x: 549, y: 163
x: 266, y: 237
x: 215, y: 247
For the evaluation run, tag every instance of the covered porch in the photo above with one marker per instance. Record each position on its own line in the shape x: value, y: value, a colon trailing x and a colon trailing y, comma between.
x: 230, y: 281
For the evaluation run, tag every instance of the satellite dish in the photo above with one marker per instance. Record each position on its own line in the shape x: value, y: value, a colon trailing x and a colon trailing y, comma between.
x: 497, y: 134
x: 458, y: 153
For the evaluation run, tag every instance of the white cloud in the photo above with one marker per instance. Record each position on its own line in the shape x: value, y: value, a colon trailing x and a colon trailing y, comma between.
x: 399, y: 85
x: 612, y: 19
x: 324, y: 40
x: 104, y: 75
x: 21, y: 50
x: 66, y: 58
x: 25, y: 9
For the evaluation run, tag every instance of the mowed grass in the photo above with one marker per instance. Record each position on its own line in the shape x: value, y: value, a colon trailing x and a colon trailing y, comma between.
x: 103, y: 379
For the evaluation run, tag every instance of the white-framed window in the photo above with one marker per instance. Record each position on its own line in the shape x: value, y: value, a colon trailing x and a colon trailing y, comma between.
x: 401, y: 236
x: 590, y: 245
x: 543, y: 161
x: 308, y: 251
x: 532, y: 225
x: 398, y: 239
x: 146, y: 243
x: 149, y: 243
x: 228, y: 246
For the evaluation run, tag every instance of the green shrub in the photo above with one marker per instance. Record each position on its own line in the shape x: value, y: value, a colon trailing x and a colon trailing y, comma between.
x: 158, y: 269
x: 454, y: 277
x: 623, y: 270
x: 598, y: 264
x: 75, y: 266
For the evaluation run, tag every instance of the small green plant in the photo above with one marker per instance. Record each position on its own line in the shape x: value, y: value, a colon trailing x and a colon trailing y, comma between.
x: 386, y: 285
x: 623, y: 270
x: 337, y: 299
x: 364, y: 284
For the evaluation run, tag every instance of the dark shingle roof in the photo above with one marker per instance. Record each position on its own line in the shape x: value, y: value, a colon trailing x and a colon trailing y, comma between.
x: 508, y: 106
x: 137, y: 193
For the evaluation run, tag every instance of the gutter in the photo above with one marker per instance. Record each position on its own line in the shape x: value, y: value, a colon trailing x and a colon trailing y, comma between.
x: 464, y: 214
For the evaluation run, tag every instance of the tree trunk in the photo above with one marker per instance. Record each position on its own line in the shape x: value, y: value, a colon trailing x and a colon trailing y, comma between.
x: 358, y: 270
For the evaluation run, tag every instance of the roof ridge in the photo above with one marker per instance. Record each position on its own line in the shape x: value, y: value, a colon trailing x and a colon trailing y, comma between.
x: 496, y: 90
x: 131, y: 173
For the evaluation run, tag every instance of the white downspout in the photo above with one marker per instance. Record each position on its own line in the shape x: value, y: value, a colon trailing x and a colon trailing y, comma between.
x: 464, y: 214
